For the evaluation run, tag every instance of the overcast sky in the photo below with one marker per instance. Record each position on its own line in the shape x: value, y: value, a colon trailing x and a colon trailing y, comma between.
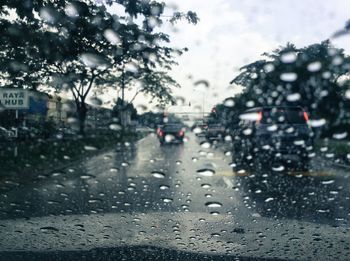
x: 232, y: 33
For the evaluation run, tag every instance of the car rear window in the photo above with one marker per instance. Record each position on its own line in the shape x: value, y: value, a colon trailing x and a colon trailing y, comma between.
x: 173, y: 127
x: 283, y: 115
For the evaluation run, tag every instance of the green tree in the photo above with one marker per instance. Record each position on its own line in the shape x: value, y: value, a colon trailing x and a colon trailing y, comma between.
x: 308, y: 77
x: 79, y: 45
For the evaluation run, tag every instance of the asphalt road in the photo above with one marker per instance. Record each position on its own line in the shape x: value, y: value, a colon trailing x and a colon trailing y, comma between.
x: 180, y: 196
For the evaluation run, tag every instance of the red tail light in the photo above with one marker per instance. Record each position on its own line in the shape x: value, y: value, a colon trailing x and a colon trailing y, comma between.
x: 160, y: 132
x: 259, y: 118
x: 306, y: 116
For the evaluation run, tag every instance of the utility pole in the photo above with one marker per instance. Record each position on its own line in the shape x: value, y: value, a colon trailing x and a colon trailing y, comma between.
x: 203, y: 105
x: 123, y: 84
x: 122, y: 113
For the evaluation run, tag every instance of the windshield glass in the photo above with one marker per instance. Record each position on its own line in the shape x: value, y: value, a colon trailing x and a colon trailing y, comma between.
x: 175, y: 130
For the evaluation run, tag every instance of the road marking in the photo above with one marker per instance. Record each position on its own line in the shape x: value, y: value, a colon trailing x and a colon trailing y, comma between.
x: 230, y: 173
x: 310, y: 174
x: 228, y: 182
x: 225, y: 173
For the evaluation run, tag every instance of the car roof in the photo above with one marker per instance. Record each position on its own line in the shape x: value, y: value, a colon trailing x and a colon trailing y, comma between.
x: 172, y: 123
x: 274, y: 107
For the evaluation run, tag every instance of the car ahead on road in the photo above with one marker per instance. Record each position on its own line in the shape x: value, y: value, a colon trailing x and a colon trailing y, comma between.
x: 269, y: 134
x: 215, y: 131
x: 170, y: 133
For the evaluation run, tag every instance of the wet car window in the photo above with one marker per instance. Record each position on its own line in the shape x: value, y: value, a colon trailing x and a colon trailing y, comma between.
x: 174, y: 130
x: 288, y: 115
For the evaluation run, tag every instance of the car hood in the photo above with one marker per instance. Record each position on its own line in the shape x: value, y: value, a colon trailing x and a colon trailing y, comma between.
x: 196, y: 233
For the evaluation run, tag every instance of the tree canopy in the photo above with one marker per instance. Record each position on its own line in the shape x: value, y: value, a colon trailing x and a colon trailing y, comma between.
x: 314, y: 77
x: 79, y: 45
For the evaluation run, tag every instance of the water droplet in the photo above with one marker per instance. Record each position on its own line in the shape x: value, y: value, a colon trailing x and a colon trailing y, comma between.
x: 293, y: 97
x: 327, y: 182
x: 197, y: 130
x: 111, y: 36
x: 113, y: 170
x: 201, y: 85
x: 272, y: 128
x: 347, y: 94
x: 205, y: 185
x: 229, y: 102
x: 95, y: 200
x: 269, y: 199
x: 299, y: 142
x: 317, y: 123
x: 215, y: 213
x: 288, y: 77
x: 340, y: 136
x: 228, y: 153
x: 253, y: 116
x: 49, y: 15
x: 71, y: 10
x: 314, y: 66
x: 164, y: 187
x: 288, y: 57
x: 93, y: 60
x: 158, y: 174
x: 48, y: 229
x: 213, y: 204
x: 205, y: 145
x: 206, y: 172
x: 90, y: 148
x: 278, y: 168
x: 131, y: 67
x: 180, y: 101
x: 87, y: 176
x: 337, y: 60
x: 56, y: 174
x: 269, y: 67
x: 228, y: 138
x: 329, y: 155
x: 169, y: 138
x: 247, y: 132
x: 167, y: 200
x: 115, y: 127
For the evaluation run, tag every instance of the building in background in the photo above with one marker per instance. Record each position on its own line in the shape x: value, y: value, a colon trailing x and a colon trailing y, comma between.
x: 45, y: 108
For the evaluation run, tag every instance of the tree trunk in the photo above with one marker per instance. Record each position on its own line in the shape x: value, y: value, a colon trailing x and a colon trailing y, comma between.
x: 82, y: 111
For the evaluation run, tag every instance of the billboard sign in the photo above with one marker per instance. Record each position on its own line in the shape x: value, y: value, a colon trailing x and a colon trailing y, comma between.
x: 14, y: 99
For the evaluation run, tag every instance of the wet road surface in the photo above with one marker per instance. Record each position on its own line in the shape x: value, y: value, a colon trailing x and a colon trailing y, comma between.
x: 180, y: 196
